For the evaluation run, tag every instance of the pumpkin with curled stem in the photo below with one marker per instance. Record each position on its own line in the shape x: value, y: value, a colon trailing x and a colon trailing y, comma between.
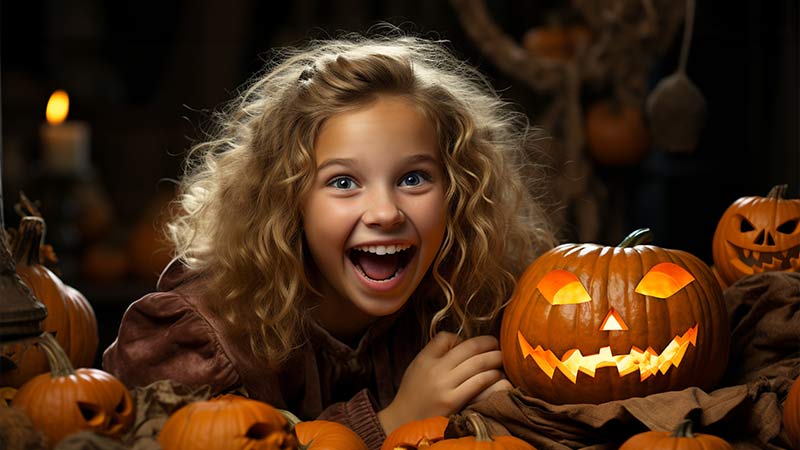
x: 681, y: 438
x: 758, y: 234
x: 227, y: 422
x: 589, y: 323
x: 66, y: 401
x: 323, y: 434
x: 482, y: 439
x: 418, y: 434
x: 70, y: 317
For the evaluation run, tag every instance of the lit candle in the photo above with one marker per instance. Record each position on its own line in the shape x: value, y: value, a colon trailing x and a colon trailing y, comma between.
x: 65, y: 144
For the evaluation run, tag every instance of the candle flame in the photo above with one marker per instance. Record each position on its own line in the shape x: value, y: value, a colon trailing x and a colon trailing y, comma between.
x: 57, y: 107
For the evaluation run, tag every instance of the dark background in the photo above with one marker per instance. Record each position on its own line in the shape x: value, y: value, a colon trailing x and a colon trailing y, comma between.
x: 144, y: 75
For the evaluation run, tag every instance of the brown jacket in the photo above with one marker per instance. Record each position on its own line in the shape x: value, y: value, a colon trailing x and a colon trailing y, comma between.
x: 173, y: 335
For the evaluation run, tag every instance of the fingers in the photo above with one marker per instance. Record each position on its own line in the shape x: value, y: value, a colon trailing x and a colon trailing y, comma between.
x: 440, y: 345
x: 477, y: 384
x: 470, y: 348
x: 482, y: 362
x: 499, y: 386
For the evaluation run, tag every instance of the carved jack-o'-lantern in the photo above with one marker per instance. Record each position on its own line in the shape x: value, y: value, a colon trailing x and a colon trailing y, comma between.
x: 758, y: 234
x: 591, y: 324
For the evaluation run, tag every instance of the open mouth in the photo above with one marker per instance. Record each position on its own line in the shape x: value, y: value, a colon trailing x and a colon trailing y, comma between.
x: 647, y: 362
x: 381, y: 262
x: 757, y: 262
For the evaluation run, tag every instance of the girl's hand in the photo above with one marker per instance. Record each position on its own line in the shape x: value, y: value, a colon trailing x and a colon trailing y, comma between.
x: 445, y: 376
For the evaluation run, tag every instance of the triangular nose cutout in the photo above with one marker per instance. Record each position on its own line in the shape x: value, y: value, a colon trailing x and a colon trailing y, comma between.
x: 613, y: 322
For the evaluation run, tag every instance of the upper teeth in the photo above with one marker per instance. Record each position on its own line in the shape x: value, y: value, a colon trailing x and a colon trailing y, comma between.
x: 383, y: 249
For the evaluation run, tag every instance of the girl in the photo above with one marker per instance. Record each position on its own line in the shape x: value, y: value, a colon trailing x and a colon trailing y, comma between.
x: 346, y: 241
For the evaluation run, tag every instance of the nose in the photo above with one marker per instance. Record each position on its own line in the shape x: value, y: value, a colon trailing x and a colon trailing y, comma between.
x: 613, y: 322
x: 382, y: 211
x: 765, y: 238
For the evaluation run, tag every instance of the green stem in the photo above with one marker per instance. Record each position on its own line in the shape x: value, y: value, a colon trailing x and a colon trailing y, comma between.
x: 684, y: 429
x: 639, y: 237
x: 60, y: 366
x: 777, y: 192
x: 481, y: 431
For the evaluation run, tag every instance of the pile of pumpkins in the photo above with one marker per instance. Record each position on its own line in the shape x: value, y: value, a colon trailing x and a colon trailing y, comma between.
x: 661, y: 299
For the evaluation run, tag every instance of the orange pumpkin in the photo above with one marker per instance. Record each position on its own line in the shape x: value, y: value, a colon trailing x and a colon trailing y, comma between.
x: 482, y: 440
x: 324, y: 434
x: 616, y: 134
x: 758, y: 234
x: 590, y: 324
x: 791, y: 413
x: 227, y: 422
x: 70, y: 317
x: 417, y: 434
x: 680, y: 439
x: 327, y: 435
x: 66, y: 401
x: 556, y: 43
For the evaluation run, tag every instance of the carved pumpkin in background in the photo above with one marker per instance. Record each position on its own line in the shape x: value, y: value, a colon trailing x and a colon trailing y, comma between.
x: 227, y: 422
x: 758, y: 234
x: 70, y: 317
x: 66, y: 401
x: 591, y: 324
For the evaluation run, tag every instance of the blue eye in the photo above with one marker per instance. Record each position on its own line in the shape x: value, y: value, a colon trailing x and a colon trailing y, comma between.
x: 343, y: 183
x: 413, y: 179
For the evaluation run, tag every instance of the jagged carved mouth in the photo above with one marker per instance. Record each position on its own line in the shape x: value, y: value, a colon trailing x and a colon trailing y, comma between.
x: 751, y: 261
x: 648, y: 362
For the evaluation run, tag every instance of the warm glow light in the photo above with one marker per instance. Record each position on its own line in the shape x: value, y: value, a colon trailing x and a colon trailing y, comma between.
x: 57, y: 107
x: 613, y: 322
x: 647, y: 362
x: 664, y: 280
x: 561, y: 287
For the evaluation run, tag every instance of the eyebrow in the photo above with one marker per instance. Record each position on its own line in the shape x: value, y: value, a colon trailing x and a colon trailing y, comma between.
x: 413, y: 159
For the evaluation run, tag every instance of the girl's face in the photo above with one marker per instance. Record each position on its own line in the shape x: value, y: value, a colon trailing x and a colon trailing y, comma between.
x: 375, y: 216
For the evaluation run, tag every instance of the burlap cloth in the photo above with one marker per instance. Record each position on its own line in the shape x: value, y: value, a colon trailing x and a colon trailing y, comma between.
x: 745, y: 409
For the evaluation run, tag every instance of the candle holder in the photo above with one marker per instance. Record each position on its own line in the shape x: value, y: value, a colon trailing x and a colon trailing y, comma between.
x: 21, y: 314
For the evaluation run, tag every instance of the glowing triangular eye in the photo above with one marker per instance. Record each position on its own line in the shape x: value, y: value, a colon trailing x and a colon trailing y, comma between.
x: 664, y: 280
x: 561, y: 287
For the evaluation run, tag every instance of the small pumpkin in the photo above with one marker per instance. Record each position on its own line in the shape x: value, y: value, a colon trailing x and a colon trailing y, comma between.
x: 616, y: 134
x: 482, y: 440
x: 791, y: 414
x: 556, y: 42
x: 758, y: 234
x: 324, y: 434
x: 417, y: 434
x: 66, y: 401
x: 70, y: 317
x: 227, y: 422
x: 681, y: 438
x: 589, y: 323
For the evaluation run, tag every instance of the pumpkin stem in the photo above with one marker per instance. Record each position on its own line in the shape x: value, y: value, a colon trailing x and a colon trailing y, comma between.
x: 293, y: 421
x: 638, y: 237
x: 56, y: 358
x: 684, y: 429
x: 481, y: 430
x: 290, y: 417
x: 27, y: 247
x: 778, y: 191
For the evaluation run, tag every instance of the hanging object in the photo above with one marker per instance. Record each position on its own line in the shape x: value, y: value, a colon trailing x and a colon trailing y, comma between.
x: 676, y: 107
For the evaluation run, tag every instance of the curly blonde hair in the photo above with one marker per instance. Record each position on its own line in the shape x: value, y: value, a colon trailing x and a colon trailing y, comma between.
x: 241, y: 225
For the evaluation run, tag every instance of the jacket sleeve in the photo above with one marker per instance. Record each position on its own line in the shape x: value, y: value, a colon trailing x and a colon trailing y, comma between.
x: 360, y: 415
x: 162, y: 336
